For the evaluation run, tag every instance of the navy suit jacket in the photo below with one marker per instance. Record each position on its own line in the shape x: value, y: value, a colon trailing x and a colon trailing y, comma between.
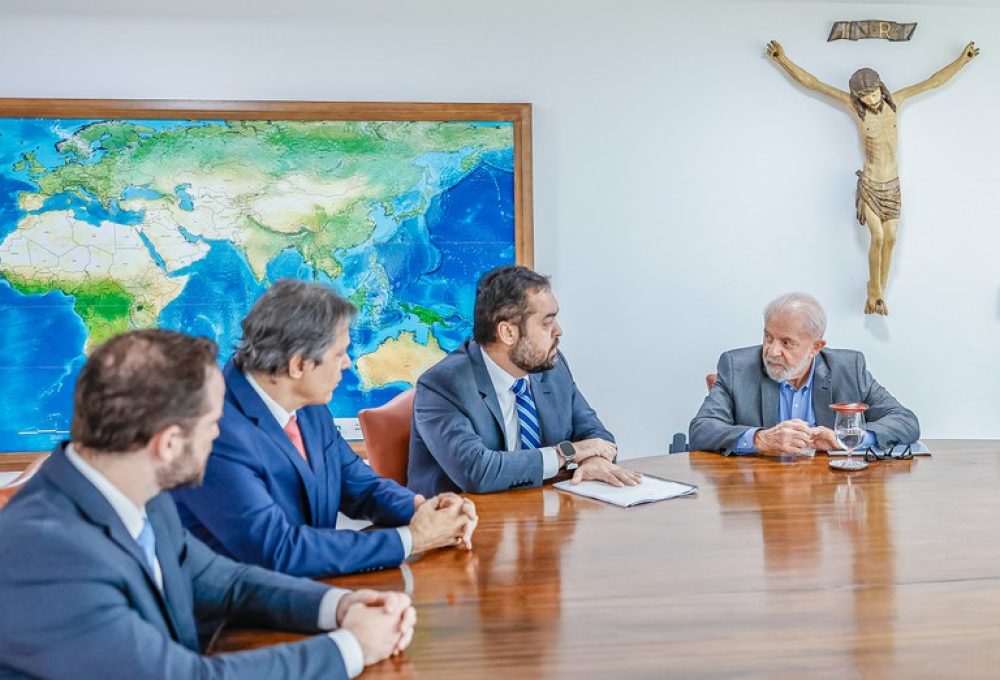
x: 457, y: 440
x: 262, y: 504
x: 78, y: 599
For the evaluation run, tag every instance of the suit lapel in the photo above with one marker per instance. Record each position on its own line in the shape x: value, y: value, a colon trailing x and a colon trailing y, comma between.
x: 545, y: 404
x: 768, y: 401
x: 485, y: 385
x: 95, y: 507
x: 822, y: 395
x: 318, y: 469
x: 248, y: 401
x: 180, y: 609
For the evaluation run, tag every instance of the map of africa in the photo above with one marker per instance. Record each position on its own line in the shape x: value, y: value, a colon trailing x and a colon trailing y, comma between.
x: 107, y: 225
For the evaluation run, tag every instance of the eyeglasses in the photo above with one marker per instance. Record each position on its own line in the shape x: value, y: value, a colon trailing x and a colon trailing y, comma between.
x: 894, y: 452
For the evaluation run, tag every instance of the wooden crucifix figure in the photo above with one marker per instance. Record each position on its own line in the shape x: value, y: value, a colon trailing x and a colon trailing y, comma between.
x: 873, y: 107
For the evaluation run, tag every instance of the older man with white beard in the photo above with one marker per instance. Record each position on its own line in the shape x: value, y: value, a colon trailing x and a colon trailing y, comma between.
x: 774, y: 399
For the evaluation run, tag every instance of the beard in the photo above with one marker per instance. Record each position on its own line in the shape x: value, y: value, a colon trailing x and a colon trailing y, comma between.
x: 532, y: 359
x: 778, y: 372
x: 183, y: 471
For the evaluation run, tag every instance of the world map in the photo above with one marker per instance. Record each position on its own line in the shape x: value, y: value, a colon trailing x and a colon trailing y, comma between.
x: 107, y: 225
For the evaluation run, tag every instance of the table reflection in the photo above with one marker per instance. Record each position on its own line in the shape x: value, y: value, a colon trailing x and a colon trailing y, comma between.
x: 806, y: 509
x: 508, y: 589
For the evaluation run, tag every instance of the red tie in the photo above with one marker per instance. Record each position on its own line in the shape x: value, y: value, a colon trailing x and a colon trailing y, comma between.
x: 295, y: 435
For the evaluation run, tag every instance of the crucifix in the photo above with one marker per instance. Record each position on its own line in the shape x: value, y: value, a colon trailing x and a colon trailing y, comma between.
x: 873, y: 108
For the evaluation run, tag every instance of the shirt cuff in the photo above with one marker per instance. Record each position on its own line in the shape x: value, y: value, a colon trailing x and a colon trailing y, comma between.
x: 350, y: 651
x: 550, y: 462
x: 406, y: 538
x: 745, y: 443
x: 327, y: 619
x: 869, y: 441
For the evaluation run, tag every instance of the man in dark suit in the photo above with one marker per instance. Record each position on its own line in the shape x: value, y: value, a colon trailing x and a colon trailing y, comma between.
x: 774, y: 399
x: 280, y: 471
x: 502, y: 411
x: 99, y: 579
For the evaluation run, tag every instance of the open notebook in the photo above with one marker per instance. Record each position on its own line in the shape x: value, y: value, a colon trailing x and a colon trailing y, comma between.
x: 649, y: 490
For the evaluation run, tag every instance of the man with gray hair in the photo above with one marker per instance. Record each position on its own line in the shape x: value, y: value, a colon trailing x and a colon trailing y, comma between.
x: 280, y: 472
x: 774, y: 399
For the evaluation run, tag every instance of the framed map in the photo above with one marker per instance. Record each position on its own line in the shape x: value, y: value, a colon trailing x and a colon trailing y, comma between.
x: 177, y: 214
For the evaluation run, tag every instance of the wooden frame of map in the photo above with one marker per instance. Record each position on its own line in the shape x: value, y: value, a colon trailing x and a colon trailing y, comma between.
x: 118, y: 214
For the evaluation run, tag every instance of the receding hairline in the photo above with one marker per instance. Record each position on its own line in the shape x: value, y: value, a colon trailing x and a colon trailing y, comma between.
x: 802, y: 306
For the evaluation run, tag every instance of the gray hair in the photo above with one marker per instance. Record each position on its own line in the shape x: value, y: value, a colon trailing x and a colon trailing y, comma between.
x: 293, y: 317
x: 804, y: 306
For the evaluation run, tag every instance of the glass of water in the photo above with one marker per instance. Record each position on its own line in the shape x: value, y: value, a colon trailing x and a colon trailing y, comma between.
x: 849, y: 426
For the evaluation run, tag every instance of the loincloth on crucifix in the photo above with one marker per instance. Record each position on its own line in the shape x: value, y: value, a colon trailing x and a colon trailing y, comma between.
x: 882, y: 197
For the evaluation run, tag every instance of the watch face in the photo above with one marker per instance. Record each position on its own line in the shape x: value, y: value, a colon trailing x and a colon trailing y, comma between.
x: 566, y: 449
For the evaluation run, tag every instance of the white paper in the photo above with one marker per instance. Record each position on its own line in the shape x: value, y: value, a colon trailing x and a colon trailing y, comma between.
x: 349, y: 428
x: 650, y: 489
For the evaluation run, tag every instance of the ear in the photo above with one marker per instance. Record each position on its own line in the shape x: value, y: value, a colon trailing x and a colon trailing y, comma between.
x: 296, y: 366
x: 167, y: 445
x: 508, y: 333
x: 817, y: 346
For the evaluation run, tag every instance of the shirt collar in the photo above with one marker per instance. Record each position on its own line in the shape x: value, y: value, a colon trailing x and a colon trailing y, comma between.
x: 131, y: 515
x: 808, y: 384
x: 502, y: 380
x: 276, y: 409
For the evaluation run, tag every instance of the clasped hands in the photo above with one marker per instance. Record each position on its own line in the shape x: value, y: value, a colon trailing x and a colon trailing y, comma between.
x: 442, y: 521
x: 382, y: 622
x: 594, y: 463
x: 791, y: 436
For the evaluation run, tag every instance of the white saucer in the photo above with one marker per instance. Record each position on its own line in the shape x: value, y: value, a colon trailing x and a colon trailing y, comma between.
x: 849, y: 465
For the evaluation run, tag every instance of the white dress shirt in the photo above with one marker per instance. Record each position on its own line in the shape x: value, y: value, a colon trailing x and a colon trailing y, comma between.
x: 502, y: 384
x: 283, y: 416
x: 133, y: 517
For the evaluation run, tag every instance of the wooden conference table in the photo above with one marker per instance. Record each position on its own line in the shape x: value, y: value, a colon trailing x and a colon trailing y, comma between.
x: 776, y: 569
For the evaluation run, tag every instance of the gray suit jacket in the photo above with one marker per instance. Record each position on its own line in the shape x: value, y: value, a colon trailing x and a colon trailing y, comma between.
x: 457, y: 441
x: 79, y: 600
x: 744, y: 397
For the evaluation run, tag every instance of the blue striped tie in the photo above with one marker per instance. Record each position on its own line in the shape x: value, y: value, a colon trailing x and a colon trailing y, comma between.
x: 527, y: 414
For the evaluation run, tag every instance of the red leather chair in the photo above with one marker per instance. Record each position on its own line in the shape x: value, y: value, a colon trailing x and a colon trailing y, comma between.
x: 387, y: 436
x: 710, y: 380
x: 12, y: 487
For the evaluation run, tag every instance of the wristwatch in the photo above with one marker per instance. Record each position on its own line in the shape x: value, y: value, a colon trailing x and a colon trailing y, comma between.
x: 567, y: 451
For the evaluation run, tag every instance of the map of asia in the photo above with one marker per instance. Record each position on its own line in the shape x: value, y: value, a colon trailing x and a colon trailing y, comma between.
x: 107, y: 225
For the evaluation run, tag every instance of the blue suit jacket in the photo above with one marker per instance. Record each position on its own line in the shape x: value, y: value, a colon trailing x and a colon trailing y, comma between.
x: 457, y: 440
x: 78, y: 599
x: 262, y: 504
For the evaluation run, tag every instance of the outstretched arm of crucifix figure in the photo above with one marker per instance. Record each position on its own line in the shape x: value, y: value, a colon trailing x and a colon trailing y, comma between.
x: 803, y: 77
x: 969, y: 52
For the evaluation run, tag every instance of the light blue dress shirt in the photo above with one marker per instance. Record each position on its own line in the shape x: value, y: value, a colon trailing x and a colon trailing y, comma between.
x: 793, y: 403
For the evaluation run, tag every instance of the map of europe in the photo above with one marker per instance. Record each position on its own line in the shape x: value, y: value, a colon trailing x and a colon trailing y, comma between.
x: 107, y: 225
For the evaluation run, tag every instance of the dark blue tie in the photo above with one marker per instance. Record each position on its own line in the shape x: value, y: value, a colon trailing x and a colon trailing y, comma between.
x: 527, y: 414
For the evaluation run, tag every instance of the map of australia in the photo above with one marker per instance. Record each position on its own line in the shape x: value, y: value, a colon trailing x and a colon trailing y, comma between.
x: 107, y: 225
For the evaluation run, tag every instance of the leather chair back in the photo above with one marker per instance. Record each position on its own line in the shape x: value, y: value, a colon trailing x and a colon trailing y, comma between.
x: 387, y: 436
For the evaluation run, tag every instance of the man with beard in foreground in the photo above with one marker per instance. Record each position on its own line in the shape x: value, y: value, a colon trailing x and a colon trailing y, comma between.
x: 502, y: 411
x: 99, y: 579
x: 774, y: 399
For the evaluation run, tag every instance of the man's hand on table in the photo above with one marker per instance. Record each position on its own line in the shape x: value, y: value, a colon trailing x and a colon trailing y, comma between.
x: 599, y: 469
x: 382, y: 622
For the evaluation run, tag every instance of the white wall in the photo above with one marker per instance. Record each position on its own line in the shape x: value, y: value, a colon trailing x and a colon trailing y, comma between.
x: 681, y: 180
